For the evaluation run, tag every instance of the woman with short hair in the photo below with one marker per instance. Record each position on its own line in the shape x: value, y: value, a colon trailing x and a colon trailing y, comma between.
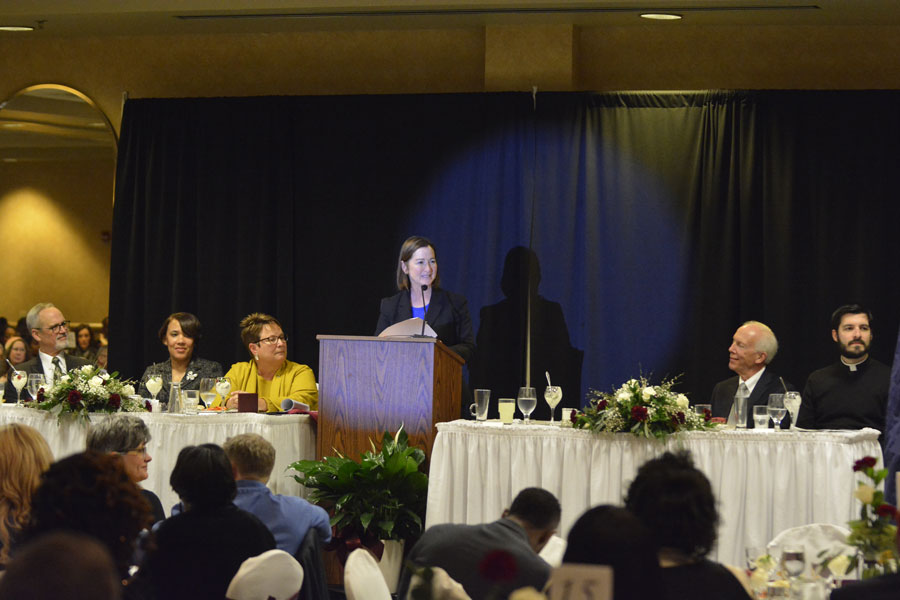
x: 180, y: 333
x: 269, y: 373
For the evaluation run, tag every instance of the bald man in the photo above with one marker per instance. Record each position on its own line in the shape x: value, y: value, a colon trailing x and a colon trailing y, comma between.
x: 753, y: 347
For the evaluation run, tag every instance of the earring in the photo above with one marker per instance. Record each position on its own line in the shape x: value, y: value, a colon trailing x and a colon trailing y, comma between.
x: 256, y: 356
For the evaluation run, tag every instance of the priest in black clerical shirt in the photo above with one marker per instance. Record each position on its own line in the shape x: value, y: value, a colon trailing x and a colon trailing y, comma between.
x: 851, y: 393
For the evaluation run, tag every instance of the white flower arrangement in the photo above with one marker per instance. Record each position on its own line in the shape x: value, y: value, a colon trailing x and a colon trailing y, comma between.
x: 85, y: 390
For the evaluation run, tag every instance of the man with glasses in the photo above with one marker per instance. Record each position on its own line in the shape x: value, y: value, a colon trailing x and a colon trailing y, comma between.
x: 50, y: 330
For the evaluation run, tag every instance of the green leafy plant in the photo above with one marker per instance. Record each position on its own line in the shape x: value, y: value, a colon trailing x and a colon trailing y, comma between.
x: 380, y: 497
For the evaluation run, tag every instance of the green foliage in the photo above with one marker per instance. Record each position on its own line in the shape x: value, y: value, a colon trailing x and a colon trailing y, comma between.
x: 380, y: 497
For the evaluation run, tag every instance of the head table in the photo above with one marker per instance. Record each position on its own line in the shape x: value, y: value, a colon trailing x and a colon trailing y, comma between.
x: 294, y: 438
x: 764, y: 482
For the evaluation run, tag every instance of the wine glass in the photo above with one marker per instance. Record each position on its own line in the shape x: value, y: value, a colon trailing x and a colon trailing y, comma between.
x: 527, y: 401
x: 792, y: 401
x: 207, y: 391
x: 20, y: 380
x: 223, y: 388
x: 35, y: 383
x: 553, y: 396
x: 776, y: 409
x: 153, y: 384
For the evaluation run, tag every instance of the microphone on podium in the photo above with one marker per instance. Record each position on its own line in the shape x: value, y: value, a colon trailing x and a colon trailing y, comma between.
x: 424, y: 308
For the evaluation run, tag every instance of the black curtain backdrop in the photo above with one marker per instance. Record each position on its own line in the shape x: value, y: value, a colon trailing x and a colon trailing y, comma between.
x: 640, y: 228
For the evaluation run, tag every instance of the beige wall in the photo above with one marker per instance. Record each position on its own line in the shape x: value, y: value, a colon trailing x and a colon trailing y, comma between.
x: 72, y: 206
x: 51, y: 219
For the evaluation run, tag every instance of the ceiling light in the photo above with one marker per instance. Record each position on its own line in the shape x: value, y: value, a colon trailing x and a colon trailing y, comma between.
x: 15, y: 28
x: 661, y: 16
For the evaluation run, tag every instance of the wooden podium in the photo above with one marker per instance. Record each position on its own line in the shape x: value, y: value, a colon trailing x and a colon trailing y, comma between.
x: 369, y: 385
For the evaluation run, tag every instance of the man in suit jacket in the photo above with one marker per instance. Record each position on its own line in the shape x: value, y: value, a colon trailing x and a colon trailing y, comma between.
x: 51, y: 330
x: 752, y: 349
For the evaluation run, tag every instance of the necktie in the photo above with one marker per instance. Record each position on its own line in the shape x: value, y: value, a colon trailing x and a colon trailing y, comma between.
x: 57, y: 368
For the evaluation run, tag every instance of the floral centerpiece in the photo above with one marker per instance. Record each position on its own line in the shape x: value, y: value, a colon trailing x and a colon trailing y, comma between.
x: 85, y: 390
x: 651, y: 411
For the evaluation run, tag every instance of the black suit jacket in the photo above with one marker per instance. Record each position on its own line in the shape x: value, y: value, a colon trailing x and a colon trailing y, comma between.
x: 878, y: 588
x: 769, y: 383
x: 34, y: 366
x: 448, y: 315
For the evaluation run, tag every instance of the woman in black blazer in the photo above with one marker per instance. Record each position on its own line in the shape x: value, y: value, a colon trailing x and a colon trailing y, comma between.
x: 447, y: 313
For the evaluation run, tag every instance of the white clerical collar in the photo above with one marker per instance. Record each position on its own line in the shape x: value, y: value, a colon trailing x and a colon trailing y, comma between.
x: 752, y: 380
x: 853, y: 366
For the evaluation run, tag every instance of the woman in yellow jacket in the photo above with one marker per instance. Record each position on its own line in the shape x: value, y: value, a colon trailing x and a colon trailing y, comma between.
x: 269, y: 374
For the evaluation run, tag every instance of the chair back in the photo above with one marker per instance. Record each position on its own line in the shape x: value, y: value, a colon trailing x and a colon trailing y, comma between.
x: 443, y: 587
x: 363, y: 579
x: 309, y: 555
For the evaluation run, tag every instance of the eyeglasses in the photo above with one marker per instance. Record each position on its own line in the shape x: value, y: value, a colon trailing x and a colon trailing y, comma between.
x: 58, y: 327
x: 139, y: 451
x: 272, y: 339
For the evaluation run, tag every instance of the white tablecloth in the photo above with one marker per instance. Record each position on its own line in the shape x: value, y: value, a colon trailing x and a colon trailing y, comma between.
x: 294, y: 438
x: 765, y: 482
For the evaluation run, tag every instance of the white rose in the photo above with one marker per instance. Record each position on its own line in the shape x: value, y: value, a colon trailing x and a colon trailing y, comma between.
x: 682, y: 401
x: 95, y: 381
x: 104, y: 375
x: 838, y: 565
x: 128, y: 390
x: 87, y: 369
x: 865, y: 493
x: 64, y: 379
x: 648, y: 392
x: 623, y: 396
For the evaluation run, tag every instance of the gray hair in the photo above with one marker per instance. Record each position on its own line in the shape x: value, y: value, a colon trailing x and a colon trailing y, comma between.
x: 118, y: 433
x: 31, y: 319
x: 766, y: 342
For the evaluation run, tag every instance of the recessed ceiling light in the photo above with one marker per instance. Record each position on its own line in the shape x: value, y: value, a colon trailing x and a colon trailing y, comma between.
x: 15, y: 28
x: 661, y: 16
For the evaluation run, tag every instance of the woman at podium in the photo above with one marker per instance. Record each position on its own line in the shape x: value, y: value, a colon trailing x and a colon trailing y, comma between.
x: 421, y: 296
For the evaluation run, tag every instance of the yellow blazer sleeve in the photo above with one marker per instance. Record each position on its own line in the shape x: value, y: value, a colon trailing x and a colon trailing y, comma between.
x: 298, y: 382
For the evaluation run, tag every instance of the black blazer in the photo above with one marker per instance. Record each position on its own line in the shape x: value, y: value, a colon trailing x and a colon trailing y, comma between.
x: 769, y: 383
x: 34, y: 366
x: 448, y: 315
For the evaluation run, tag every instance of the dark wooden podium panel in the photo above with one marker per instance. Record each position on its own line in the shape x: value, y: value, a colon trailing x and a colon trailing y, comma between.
x: 369, y: 385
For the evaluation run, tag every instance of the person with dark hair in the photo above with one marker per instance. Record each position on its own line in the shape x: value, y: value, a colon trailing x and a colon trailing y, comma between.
x: 610, y: 535
x: 675, y: 502
x: 269, y: 374
x: 85, y: 343
x: 82, y: 570
x: 180, y: 334
x: 90, y: 493
x: 127, y: 436
x: 289, y: 518
x: 49, y: 329
x: 853, y: 392
x: 447, y: 313
x: 493, y: 559
x: 199, y: 550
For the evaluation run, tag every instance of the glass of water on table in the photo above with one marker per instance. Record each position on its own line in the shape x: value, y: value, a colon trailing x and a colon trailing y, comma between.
x: 527, y: 401
x: 792, y: 401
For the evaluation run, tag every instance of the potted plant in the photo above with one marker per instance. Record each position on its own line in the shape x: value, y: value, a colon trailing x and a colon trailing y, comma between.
x: 379, y: 498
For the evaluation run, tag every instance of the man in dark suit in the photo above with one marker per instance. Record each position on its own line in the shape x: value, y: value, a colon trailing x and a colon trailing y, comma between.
x: 50, y: 329
x: 752, y: 349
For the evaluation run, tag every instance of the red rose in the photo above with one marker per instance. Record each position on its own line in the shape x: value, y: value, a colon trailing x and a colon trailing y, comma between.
x: 40, y: 396
x: 680, y: 417
x: 573, y: 416
x: 115, y: 401
x: 865, y: 463
x: 148, y: 406
x: 639, y: 413
x: 886, y: 510
x: 602, y: 405
x: 498, y: 565
x: 707, y: 414
x: 74, y: 398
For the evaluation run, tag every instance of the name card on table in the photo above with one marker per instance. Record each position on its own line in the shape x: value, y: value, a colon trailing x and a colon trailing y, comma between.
x: 581, y: 582
x: 248, y: 402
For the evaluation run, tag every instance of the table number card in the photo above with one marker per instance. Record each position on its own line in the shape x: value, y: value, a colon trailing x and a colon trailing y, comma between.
x: 581, y: 582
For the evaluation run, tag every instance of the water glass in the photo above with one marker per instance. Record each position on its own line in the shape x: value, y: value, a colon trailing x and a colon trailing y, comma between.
x: 507, y: 409
x: 527, y: 401
x: 207, y: 391
x: 701, y: 409
x: 776, y: 409
x: 190, y: 398
x: 35, y: 383
x: 761, y: 417
x: 792, y: 401
x: 479, y: 408
x: 793, y: 559
x: 553, y: 396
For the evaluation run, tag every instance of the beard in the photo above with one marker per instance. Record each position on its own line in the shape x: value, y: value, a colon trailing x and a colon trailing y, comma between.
x: 853, y: 350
